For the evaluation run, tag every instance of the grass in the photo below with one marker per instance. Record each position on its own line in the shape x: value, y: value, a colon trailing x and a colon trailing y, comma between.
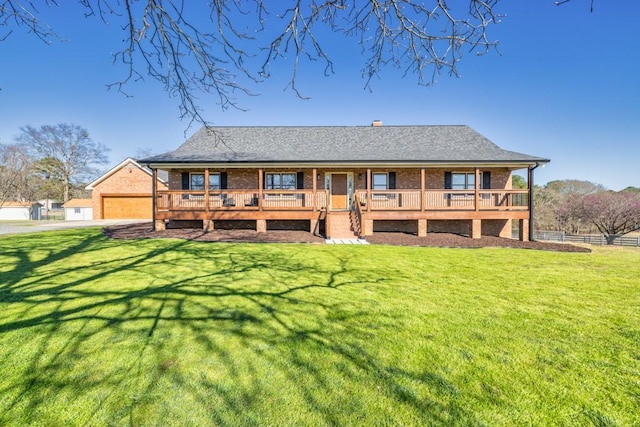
x: 167, y: 332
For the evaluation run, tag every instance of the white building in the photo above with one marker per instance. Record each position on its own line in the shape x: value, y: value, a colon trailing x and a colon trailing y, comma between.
x: 78, y: 210
x: 20, y: 211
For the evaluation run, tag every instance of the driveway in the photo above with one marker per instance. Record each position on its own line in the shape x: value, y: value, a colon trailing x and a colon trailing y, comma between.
x: 17, y: 227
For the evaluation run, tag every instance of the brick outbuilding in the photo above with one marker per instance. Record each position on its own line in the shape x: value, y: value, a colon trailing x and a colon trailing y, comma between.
x: 124, y: 192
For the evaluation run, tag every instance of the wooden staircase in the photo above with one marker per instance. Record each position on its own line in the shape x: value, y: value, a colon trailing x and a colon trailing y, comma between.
x: 355, y: 223
x: 340, y: 226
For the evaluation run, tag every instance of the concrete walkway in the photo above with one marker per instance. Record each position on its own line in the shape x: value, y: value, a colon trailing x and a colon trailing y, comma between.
x: 19, y: 227
x: 346, y: 242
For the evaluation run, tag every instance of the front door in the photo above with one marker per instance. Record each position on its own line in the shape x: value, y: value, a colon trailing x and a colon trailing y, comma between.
x: 338, y: 191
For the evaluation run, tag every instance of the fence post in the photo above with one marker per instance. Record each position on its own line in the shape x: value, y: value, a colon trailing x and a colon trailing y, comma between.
x: 638, y: 241
x: 562, y: 236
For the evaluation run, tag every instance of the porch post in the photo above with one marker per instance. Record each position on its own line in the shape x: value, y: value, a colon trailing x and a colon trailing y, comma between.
x: 523, y: 234
x: 477, y: 188
x: 530, y: 179
x: 154, y: 177
x: 422, y: 228
x: 368, y: 189
x: 315, y: 189
x: 260, y: 186
x: 206, y: 190
x: 422, y: 189
x: 476, y: 228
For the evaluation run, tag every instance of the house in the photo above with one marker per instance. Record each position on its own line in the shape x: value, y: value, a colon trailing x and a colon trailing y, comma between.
x: 124, y: 192
x: 20, y: 211
x: 51, y: 204
x: 78, y: 210
x: 345, y: 181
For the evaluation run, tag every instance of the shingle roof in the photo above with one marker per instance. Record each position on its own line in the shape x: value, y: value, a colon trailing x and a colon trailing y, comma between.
x: 341, y: 144
x: 18, y: 204
x: 78, y: 203
x: 128, y: 161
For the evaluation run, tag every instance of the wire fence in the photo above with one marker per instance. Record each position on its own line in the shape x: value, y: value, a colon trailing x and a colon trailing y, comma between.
x: 52, y: 214
x: 593, y: 239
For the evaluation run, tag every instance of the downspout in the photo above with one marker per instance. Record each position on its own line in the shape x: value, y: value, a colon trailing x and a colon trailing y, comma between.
x: 530, y: 179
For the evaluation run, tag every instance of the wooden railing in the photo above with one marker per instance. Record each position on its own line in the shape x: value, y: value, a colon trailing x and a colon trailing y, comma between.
x: 356, y: 216
x: 388, y: 200
x: 190, y: 200
x: 444, y: 200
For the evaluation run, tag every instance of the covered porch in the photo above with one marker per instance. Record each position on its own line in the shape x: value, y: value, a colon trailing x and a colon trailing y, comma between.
x: 325, y: 199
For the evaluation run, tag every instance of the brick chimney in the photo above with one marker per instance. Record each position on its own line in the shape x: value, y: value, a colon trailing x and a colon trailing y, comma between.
x: 376, y: 123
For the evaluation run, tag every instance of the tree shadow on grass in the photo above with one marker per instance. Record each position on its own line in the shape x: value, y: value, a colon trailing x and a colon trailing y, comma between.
x: 152, y: 332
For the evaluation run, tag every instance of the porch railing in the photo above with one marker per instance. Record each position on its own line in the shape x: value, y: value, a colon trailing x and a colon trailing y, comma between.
x: 379, y: 200
x: 411, y: 200
x: 190, y: 200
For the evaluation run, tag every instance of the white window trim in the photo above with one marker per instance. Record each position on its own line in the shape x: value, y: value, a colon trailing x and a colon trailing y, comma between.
x: 295, y: 181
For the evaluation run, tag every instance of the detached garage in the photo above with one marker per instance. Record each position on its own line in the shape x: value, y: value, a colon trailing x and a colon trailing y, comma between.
x: 124, y: 192
x: 78, y: 210
x: 19, y: 211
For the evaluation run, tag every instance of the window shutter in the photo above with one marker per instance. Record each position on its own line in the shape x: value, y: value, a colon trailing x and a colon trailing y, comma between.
x: 185, y: 180
x: 223, y: 180
x: 486, y: 180
x: 300, y: 180
x: 447, y: 181
x: 392, y: 180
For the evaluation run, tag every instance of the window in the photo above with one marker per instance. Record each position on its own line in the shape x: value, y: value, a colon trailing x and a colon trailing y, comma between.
x: 464, y: 181
x: 380, y: 181
x: 280, y: 181
x: 76, y: 210
x: 214, y: 181
x: 196, y: 181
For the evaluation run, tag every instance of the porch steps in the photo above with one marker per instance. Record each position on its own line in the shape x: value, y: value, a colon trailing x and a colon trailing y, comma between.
x: 355, y: 223
x: 340, y: 227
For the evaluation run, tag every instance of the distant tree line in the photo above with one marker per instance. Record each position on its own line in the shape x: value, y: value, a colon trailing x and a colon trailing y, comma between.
x: 49, y: 162
x: 583, y: 207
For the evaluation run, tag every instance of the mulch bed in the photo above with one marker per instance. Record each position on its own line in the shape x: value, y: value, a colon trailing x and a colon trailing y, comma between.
x: 143, y: 231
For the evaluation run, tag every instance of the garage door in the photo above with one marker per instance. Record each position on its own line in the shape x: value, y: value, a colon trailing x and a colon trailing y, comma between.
x: 126, y: 207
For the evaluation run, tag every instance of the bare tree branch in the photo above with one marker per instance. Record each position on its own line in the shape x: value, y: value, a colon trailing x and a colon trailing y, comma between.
x: 238, y: 41
x: 26, y: 13
x: 561, y: 2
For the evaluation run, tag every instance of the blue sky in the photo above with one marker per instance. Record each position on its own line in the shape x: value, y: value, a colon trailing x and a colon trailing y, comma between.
x: 564, y: 86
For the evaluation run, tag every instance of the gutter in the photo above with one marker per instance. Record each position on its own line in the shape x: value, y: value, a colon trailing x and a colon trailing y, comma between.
x: 342, y: 164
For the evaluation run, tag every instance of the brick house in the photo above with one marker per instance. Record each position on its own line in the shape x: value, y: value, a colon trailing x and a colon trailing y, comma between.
x: 124, y: 192
x: 345, y: 181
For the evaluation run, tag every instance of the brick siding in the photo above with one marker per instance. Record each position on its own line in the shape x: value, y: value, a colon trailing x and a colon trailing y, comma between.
x: 129, y: 179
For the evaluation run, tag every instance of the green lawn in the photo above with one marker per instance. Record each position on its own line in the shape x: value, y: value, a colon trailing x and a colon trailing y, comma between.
x: 167, y: 332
